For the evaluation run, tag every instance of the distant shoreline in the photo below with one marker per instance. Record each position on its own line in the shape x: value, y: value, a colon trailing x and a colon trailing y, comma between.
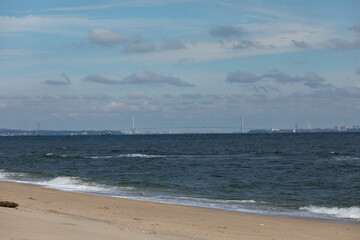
x: 15, y: 132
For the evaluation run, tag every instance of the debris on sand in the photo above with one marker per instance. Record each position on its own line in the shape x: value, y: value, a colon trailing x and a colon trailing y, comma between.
x: 8, y: 204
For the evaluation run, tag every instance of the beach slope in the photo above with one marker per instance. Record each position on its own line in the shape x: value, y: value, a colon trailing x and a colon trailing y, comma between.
x: 51, y: 214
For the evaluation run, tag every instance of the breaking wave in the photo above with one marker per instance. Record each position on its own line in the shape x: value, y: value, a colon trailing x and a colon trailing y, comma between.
x: 65, y: 183
x: 75, y: 184
x: 130, y: 155
x: 350, y: 212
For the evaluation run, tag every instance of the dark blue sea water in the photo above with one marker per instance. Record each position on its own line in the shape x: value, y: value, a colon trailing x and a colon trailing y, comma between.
x: 295, y: 175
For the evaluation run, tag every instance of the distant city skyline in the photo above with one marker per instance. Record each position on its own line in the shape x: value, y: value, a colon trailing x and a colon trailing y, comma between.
x: 86, y: 64
x: 178, y: 130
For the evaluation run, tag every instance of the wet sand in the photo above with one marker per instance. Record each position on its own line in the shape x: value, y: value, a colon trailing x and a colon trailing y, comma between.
x: 52, y: 214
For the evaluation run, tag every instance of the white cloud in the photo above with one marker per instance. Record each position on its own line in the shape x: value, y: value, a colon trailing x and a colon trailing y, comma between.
x: 58, y: 24
x: 130, y: 107
x: 262, y: 38
x: 210, y: 51
x: 119, y: 106
x: 79, y: 25
x: 108, y: 38
x: 282, y: 33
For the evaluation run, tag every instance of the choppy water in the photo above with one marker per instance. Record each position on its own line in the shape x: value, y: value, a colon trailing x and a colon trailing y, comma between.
x: 294, y: 175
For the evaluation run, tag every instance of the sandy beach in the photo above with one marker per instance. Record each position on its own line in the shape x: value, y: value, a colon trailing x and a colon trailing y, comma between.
x: 52, y: 214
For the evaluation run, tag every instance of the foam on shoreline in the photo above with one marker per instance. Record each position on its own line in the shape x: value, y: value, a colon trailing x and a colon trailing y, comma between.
x: 45, y: 213
x: 75, y: 184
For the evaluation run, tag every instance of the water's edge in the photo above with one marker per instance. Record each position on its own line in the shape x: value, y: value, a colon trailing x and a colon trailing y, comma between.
x: 64, y: 184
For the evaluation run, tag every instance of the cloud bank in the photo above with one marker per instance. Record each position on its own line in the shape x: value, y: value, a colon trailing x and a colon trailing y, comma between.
x: 64, y: 82
x: 300, y: 44
x: 339, y: 43
x: 173, y: 45
x: 97, y: 78
x: 246, y: 44
x: 225, y: 31
x: 311, y: 80
x: 140, y: 78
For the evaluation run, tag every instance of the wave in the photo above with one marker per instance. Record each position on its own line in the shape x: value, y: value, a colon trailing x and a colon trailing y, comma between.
x: 9, y: 175
x: 66, y: 183
x: 346, y: 158
x: 53, y: 155
x: 130, y: 155
x: 343, y: 157
x: 350, y: 212
x: 244, y: 206
x: 76, y: 184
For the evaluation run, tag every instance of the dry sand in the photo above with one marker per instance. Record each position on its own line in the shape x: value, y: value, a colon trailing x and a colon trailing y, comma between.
x: 51, y: 214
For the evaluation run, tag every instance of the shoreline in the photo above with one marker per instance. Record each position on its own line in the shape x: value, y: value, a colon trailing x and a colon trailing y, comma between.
x: 41, y: 209
x: 286, y: 215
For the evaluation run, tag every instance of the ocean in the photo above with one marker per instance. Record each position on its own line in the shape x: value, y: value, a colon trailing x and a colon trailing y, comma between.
x: 311, y: 176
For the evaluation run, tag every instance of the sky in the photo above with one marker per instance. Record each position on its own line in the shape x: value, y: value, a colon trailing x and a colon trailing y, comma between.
x: 86, y: 64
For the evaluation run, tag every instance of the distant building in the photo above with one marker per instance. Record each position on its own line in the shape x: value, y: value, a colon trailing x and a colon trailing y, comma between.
x: 340, y: 128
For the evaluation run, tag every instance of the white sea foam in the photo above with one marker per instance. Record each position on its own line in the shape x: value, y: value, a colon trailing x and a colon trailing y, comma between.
x: 132, y: 155
x: 137, y: 155
x: 245, y: 206
x: 65, y: 183
x: 2, y: 174
x: 8, y: 175
x: 346, y: 158
x: 102, y: 157
x: 340, y: 157
x: 55, y: 155
x: 71, y: 184
x: 75, y: 184
x: 350, y: 212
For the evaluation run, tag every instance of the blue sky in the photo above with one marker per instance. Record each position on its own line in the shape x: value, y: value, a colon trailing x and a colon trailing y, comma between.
x: 95, y: 64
